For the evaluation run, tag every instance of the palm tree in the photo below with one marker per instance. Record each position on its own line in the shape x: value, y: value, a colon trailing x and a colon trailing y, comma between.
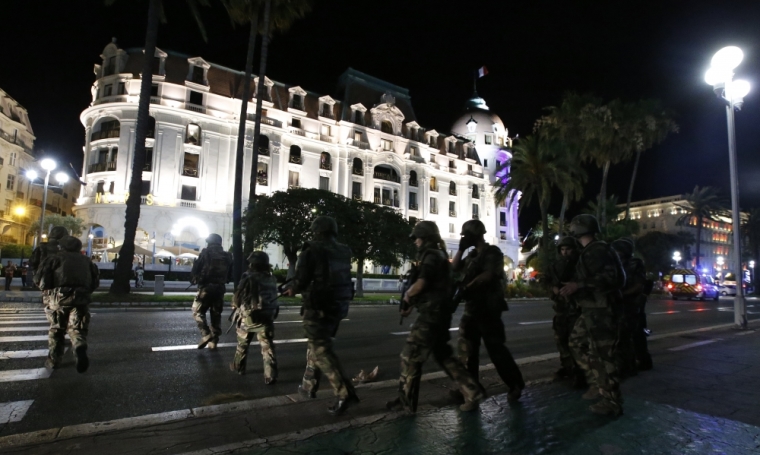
x: 123, y: 271
x: 651, y: 124
x: 537, y: 166
x: 702, y: 204
x: 609, y: 207
x: 751, y: 232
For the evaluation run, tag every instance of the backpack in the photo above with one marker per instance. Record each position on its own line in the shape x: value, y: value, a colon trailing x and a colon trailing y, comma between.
x: 216, y: 266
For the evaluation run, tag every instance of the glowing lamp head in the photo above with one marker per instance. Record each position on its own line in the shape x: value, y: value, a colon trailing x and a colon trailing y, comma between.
x: 737, y: 90
x: 20, y: 211
x: 31, y: 174
x: 48, y: 164
x: 90, y: 236
x: 717, y: 76
x: 62, y: 177
x: 727, y: 58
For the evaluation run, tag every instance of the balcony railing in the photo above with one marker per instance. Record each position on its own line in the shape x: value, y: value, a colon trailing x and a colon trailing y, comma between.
x: 326, y: 166
x: 270, y: 122
x: 453, y: 213
x: 453, y: 170
x: 376, y: 200
x: 452, y: 192
x: 357, y: 171
x: 327, y: 114
x: 295, y: 159
x: 148, y: 167
x: 435, y: 165
x: 413, y: 206
x: 189, y: 171
x: 111, y: 99
x: 298, y: 131
x: 388, y: 177
x: 195, y: 108
x: 188, y: 204
x: 155, y: 100
x: 360, y: 144
x: 107, y: 134
x: 263, y: 151
x: 326, y: 138
x: 417, y: 158
x: 475, y: 174
x: 434, y: 210
x: 413, y: 183
x: 294, y: 185
x: 356, y: 196
x: 102, y: 167
x: 262, y: 180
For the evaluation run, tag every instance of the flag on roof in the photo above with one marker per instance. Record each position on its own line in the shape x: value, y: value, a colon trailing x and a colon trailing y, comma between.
x: 482, y: 71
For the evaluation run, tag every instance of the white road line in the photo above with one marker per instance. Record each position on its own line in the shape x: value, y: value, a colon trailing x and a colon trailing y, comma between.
x: 18, y: 338
x: 190, y: 347
x: 745, y: 332
x: 694, y: 345
x: 14, y: 411
x: 666, y: 312
x: 453, y: 329
x: 300, y: 321
x: 535, y: 322
x: 25, y: 328
x: 25, y: 321
x: 25, y: 375
x: 22, y: 318
x: 6, y: 355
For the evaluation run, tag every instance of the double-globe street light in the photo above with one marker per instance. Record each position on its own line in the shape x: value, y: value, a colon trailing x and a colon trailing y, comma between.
x: 720, y: 76
x: 48, y: 166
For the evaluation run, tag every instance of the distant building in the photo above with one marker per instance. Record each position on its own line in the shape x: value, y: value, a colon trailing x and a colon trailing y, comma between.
x: 20, y: 200
x: 363, y: 143
x: 661, y: 214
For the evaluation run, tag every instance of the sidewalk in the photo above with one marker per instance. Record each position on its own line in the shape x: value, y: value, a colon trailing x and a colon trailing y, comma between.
x: 701, y: 398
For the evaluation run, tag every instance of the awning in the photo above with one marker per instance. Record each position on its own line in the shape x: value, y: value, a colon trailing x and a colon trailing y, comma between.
x: 140, y: 251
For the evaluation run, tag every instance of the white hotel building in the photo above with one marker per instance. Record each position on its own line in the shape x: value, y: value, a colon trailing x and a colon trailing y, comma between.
x: 364, y: 142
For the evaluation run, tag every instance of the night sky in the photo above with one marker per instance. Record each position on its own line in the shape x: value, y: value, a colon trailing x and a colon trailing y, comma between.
x: 534, y: 51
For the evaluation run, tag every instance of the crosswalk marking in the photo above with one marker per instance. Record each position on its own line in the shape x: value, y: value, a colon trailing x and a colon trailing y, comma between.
x: 14, y: 411
x: 453, y: 329
x: 25, y: 328
x: 221, y: 345
x: 18, y: 338
x: 694, y: 345
x: 7, y: 355
x: 535, y: 322
x: 25, y: 375
x: 300, y: 321
x: 24, y: 321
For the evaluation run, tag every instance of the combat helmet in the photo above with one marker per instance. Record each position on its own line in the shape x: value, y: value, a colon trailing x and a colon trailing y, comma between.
x: 473, y: 227
x: 624, y: 247
x: 58, y: 232
x: 424, y: 230
x: 568, y: 241
x: 258, y: 258
x: 324, y: 225
x: 584, y: 225
x: 69, y: 243
x: 214, y: 238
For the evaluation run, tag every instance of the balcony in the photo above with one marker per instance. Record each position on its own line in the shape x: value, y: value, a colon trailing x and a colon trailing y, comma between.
x: 435, y: 165
x: 388, y: 177
x: 195, y: 108
x: 271, y: 122
x: 376, y: 199
x: 326, y: 138
x: 263, y: 151
x: 294, y: 185
x: 148, y: 166
x: 413, y: 206
x: 389, y: 202
x: 102, y: 167
x: 413, y: 183
x: 295, y: 159
x: 357, y: 171
x: 417, y: 158
x: 190, y: 171
x: 327, y: 113
x: 453, y: 213
x: 452, y: 192
x: 434, y: 210
x: 262, y: 180
x: 356, y: 196
x: 297, y: 131
x: 326, y: 166
x: 453, y: 170
x: 475, y: 174
x: 359, y: 144
x: 188, y: 204
x: 107, y: 134
x: 155, y: 100
x: 111, y: 99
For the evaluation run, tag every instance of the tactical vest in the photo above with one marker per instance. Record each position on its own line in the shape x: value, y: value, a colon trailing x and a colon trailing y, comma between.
x: 73, y: 271
x: 41, y: 252
x: 331, y: 287
x: 590, y: 297
x: 259, y: 292
x: 216, y: 265
x: 434, y: 302
x: 490, y: 293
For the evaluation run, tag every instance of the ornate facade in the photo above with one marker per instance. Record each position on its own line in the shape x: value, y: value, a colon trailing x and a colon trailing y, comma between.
x: 362, y: 142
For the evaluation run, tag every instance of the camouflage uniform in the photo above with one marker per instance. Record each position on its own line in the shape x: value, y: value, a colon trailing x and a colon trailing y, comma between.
x: 566, y: 310
x: 482, y: 318
x: 211, y: 273
x: 255, y: 300
x: 323, y: 278
x: 43, y: 251
x: 594, y: 339
x: 430, y: 332
x: 69, y: 279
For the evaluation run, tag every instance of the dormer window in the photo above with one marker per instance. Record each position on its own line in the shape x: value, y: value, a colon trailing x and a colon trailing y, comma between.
x: 451, y: 147
x: 326, y: 111
x: 359, y: 117
x: 297, y: 102
x: 386, y: 127
x: 159, y: 63
x: 326, y: 104
x: 197, y: 75
x: 297, y: 95
x: 156, y: 66
x: 197, y: 71
x: 267, y: 88
x: 357, y: 113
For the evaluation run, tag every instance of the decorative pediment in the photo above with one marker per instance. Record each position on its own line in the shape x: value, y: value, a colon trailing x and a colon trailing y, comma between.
x: 296, y: 91
x: 198, y: 61
x: 387, y: 112
x: 358, y: 107
x: 432, y: 133
x: 451, y: 139
x: 267, y: 82
x: 159, y: 53
x: 412, y: 125
x: 327, y: 99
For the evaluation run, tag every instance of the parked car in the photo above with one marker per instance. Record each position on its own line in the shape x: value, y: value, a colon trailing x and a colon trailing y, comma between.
x: 727, y: 289
x: 689, y: 284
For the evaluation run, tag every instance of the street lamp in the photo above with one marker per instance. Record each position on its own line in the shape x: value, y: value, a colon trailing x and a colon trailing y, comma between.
x: 48, y: 165
x: 720, y: 76
x: 752, y: 273
x: 677, y: 257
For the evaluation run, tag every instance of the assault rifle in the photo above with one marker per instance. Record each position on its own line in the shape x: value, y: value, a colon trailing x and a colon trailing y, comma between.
x: 406, y: 282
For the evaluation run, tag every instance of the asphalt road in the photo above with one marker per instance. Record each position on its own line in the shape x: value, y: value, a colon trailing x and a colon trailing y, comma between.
x: 129, y: 378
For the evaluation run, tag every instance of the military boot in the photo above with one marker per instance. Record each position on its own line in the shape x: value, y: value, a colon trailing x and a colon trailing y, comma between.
x: 212, y: 344
x: 606, y: 407
x: 472, y: 403
x: 342, y: 405
x: 205, y: 340
x: 53, y: 362
x: 83, y: 363
x: 514, y: 395
x: 235, y: 369
x: 306, y: 393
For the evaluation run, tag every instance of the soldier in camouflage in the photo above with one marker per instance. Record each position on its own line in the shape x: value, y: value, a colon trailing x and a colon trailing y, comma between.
x: 211, y: 272
x: 596, y: 286
x: 44, y: 250
x: 69, y: 280
x: 634, y: 353
x: 323, y: 278
x: 431, y: 295
x: 482, y: 290
x: 256, y: 308
x: 566, y: 310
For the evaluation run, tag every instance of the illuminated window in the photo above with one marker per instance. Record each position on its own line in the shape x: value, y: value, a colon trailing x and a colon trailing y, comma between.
x: 10, y: 184
x: 433, y: 184
x: 262, y: 176
x: 387, y: 145
x: 489, y: 139
x: 193, y: 134
x: 386, y: 127
x: 324, y: 183
x: 293, y: 179
x: 190, y: 165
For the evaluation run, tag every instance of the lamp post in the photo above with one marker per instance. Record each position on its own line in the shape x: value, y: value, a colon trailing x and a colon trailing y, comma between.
x: 752, y: 273
x: 48, y: 165
x: 153, y: 242
x: 677, y: 257
x: 90, y: 236
x: 720, y: 76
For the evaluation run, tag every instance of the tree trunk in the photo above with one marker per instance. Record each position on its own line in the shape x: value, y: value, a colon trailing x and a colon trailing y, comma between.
x: 237, y: 204
x: 123, y: 271
x: 546, y: 237
x: 292, y: 255
x: 633, y: 180
x: 602, y: 204
x: 360, y: 277
x: 565, y: 203
x: 257, y: 124
x: 699, y: 239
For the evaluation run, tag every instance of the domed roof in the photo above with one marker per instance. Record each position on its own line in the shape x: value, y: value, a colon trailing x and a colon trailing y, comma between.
x: 478, y: 119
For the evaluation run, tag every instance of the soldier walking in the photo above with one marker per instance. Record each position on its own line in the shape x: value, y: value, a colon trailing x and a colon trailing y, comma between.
x: 430, y: 293
x: 566, y: 310
x: 68, y: 279
x: 598, y: 279
x: 211, y: 273
x: 255, y: 307
x: 44, y: 250
x: 483, y: 293
x: 634, y: 352
x: 323, y: 278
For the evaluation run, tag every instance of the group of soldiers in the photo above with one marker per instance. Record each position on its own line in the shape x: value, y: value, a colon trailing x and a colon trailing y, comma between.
x: 599, y: 292
x: 598, y: 300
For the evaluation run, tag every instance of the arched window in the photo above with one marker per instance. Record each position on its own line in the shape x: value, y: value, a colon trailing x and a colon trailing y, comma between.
x: 107, y: 128
x: 412, y: 178
x: 193, y: 134
x: 295, y: 154
x: 475, y: 191
x: 358, y: 167
x: 386, y: 127
x: 386, y: 173
x: 263, y: 145
x: 151, y: 128
x: 453, y: 189
x: 324, y: 161
x: 433, y: 184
